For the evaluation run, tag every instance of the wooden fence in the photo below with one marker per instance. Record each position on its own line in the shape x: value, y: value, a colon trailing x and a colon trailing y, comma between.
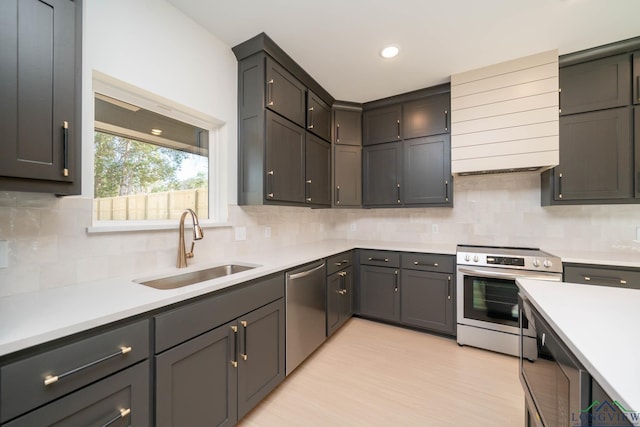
x: 164, y: 205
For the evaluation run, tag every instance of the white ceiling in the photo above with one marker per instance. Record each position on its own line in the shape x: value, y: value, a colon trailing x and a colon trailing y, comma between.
x: 337, y: 41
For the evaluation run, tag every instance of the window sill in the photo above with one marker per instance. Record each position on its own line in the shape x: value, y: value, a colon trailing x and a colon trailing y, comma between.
x: 127, y: 226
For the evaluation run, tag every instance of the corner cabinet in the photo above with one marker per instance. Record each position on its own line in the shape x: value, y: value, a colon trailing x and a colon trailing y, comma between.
x: 284, y: 127
x: 40, y: 92
x: 408, y: 163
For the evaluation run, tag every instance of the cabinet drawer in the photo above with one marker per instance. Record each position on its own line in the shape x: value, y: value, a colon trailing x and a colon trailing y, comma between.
x: 22, y: 384
x: 119, y: 400
x: 602, y: 275
x: 339, y: 262
x: 188, y: 321
x: 381, y: 258
x: 428, y: 262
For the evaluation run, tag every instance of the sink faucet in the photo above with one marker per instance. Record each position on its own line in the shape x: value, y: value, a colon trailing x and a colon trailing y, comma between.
x: 197, y: 235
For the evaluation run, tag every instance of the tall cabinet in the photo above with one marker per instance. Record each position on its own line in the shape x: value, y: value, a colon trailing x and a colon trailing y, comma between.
x: 284, y: 129
x: 40, y: 92
x: 406, y: 159
x: 598, y: 105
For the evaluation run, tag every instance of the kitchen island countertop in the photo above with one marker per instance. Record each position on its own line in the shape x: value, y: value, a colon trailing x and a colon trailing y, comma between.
x: 599, y: 324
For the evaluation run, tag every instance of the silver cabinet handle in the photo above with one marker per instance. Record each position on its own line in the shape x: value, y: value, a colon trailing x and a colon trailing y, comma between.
x: 398, y: 187
x: 448, y: 287
x: 605, y: 279
x: 395, y: 289
x: 398, y: 124
x: 123, y: 413
x: 446, y: 191
x: 51, y: 379
x: 560, y: 186
x: 310, y: 126
x: 338, y: 195
x: 559, y: 100
x: 270, y: 184
x: 337, y: 132
x: 543, y: 339
x: 270, y: 93
x: 435, y: 264
x: 244, y: 340
x: 65, y: 148
x: 446, y: 120
x: 234, y: 361
x: 379, y: 259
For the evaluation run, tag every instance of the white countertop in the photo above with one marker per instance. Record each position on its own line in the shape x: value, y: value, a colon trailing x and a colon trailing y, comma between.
x: 601, y: 326
x: 34, y: 318
x: 621, y: 258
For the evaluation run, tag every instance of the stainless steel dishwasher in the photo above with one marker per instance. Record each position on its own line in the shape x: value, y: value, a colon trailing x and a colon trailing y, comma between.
x: 306, y: 303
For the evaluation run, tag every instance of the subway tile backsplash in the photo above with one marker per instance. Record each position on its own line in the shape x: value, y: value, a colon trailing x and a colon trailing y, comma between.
x: 49, y: 246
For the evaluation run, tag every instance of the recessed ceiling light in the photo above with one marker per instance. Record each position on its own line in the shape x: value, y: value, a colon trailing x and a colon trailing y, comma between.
x: 156, y: 132
x: 389, y: 51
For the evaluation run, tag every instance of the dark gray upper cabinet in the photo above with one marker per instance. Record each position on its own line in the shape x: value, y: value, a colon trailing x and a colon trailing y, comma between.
x: 382, y: 125
x: 284, y: 175
x: 196, y: 381
x: 40, y: 92
x: 595, y: 85
x: 596, y: 161
x: 427, y: 116
x: 318, y: 171
x: 427, y: 300
x: 427, y: 170
x: 347, y: 126
x: 318, y: 116
x: 636, y: 120
x: 382, y: 174
x: 347, y: 176
x: 636, y: 78
x: 284, y: 93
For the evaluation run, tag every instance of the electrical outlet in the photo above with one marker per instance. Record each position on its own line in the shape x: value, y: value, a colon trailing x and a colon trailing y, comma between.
x: 353, y: 226
x: 267, y: 232
x: 241, y: 233
x: 435, y: 229
x: 4, y: 254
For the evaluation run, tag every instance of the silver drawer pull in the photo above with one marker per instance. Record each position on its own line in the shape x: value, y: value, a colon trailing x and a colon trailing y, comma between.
x: 51, y: 379
x: 379, y: 259
x: 435, y: 264
x: 123, y: 413
x: 605, y: 279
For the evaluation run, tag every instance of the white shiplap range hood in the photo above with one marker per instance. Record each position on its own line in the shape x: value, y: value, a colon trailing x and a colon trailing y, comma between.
x: 504, y: 117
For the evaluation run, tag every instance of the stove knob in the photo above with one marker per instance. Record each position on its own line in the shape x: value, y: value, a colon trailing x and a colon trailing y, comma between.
x: 536, y: 263
x: 467, y: 257
x: 475, y: 258
x: 547, y: 263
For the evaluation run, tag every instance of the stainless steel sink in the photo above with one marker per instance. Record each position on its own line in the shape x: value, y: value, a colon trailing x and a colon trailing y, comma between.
x: 193, y: 277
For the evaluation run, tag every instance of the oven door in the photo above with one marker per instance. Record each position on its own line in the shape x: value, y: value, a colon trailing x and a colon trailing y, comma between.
x: 488, y: 297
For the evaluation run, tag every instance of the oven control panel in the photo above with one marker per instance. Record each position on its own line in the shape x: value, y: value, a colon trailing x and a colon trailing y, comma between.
x: 515, y: 258
x: 503, y: 260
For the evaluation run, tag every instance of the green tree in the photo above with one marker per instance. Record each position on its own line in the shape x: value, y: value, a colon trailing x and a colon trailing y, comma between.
x: 124, y: 166
x: 201, y: 180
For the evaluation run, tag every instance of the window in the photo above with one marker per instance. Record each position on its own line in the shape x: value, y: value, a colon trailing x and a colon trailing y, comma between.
x: 150, y: 164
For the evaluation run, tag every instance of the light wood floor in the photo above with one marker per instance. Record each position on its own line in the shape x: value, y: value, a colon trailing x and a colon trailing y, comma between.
x: 372, y: 374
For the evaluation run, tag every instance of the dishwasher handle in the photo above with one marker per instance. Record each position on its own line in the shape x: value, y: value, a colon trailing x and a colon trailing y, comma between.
x: 305, y: 273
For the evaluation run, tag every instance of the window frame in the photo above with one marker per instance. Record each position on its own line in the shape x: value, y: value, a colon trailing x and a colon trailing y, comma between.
x: 217, y: 192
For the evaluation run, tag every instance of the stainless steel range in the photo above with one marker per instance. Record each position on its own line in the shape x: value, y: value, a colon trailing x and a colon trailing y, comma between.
x: 487, y: 306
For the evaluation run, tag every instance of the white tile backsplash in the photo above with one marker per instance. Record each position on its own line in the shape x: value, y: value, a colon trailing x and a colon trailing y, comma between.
x: 49, y: 246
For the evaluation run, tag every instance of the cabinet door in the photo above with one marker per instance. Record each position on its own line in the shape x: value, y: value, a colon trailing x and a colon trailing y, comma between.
x: 427, y: 170
x: 347, y: 296
x: 285, y: 160
x: 284, y: 93
x: 595, y: 156
x: 602, y: 276
x: 427, y: 116
x: 347, y: 175
x: 382, y: 125
x: 379, y: 293
x: 37, y: 90
x: 637, y: 149
x: 382, y: 174
x: 334, y: 302
x: 117, y: 401
x: 196, y: 382
x: 636, y: 78
x: 318, y: 171
x: 261, y: 354
x: 427, y: 300
x: 318, y: 116
x: 595, y: 85
x: 347, y: 128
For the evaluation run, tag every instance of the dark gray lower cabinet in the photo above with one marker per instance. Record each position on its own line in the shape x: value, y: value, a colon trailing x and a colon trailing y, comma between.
x: 196, y: 382
x: 218, y: 377
x: 427, y: 300
x: 379, y: 295
x: 339, y: 299
x: 116, y: 401
x: 602, y: 275
x: 382, y: 174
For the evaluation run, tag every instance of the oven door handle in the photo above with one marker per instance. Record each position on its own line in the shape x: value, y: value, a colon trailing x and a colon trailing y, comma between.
x: 510, y: 275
